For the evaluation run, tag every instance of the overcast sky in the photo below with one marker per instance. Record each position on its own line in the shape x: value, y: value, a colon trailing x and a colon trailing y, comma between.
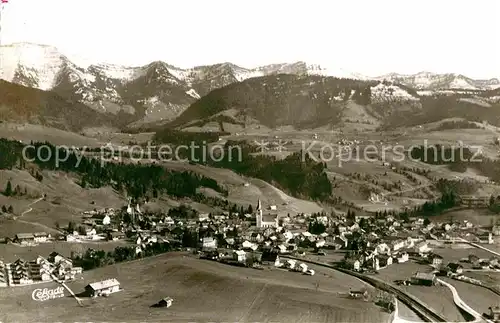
x: 366, y: 36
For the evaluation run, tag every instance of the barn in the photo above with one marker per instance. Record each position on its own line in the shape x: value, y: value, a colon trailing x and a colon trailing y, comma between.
x: 425, y: 279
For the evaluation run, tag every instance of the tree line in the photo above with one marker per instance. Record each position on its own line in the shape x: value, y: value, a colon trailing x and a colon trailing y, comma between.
x: 134, y: 179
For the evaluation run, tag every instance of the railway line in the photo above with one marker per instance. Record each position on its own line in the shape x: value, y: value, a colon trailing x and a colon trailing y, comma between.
x: 421, y: 309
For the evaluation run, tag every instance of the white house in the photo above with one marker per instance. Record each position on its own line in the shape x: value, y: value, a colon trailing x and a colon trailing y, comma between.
x: 106, y: 220
x: 247, y: 244
x: 383, y: 249
x: 203, y: 217
x: 92, y: 232
x: 403, y: 257
x: 397, y: 245
x: 282, y: 248
x: 41, y: 237
x: 302, y: 268
x: 320, y: 243
x: 209, y: 243
x: 240, y: 255
x: 422, y: 247
x: 357, y: 265
x: 103, y: 288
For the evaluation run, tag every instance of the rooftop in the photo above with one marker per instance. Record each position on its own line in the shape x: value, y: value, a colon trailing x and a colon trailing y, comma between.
x: 424, y: 276
x: 25, y: 236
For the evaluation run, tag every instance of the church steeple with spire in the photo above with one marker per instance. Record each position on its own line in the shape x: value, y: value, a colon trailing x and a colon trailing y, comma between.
x: 258, y: 215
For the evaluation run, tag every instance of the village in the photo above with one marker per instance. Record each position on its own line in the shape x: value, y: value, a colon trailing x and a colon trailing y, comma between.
x: 257, y: 237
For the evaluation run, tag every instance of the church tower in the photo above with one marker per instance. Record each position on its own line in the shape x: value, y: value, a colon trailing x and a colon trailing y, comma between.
x: 258, y: 214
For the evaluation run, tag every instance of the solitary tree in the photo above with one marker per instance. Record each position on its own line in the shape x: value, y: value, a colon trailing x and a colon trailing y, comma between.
x: 10, y: 209
x: 8, y: 189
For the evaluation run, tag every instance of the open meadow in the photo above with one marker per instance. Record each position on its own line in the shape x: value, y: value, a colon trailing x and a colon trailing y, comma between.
x: 439, y: 298
x: 202, y: 291
x: 477, y: 297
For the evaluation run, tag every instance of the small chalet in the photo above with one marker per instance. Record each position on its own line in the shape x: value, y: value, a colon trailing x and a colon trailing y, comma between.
x: 436, y: 260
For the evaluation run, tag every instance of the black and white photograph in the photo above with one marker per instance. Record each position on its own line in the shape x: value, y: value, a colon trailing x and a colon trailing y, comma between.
x: 263, y: 161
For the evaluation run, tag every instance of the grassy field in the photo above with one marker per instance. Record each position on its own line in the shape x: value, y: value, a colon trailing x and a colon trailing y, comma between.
x: 477, y: 297
x: 487, y: 277
x: 64, y: 203
x: 440, y: 299
x: 455, y: 252
x: 406, y: 313
x: 27, y: 133
x: 202, y: 291
x: 256, y: 189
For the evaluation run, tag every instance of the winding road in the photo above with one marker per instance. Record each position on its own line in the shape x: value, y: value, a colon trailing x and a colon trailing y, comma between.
x: 461, y: 304
x: 29, y: 206
x: 28, y: 210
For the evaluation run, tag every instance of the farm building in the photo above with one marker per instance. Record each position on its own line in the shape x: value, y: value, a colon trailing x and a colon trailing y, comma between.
x: 103, y: 288
x: 24, y: 238
x: 426, y: 279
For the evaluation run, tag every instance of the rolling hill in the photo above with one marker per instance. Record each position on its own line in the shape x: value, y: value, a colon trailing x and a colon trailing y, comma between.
x: 24, y: 104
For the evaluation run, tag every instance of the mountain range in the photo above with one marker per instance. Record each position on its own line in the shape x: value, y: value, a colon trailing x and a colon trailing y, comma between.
x: 159, y: 92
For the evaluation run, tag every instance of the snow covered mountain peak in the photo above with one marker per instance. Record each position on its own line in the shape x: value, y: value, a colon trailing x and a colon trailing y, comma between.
x: 432, y: 81
x: 31, y: 64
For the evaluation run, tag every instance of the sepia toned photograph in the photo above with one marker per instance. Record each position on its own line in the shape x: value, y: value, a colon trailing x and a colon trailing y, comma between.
x: 275, y: 161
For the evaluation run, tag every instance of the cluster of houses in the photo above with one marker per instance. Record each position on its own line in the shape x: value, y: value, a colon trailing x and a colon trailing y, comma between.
x: 385, y: 241
x: 21, y: 272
